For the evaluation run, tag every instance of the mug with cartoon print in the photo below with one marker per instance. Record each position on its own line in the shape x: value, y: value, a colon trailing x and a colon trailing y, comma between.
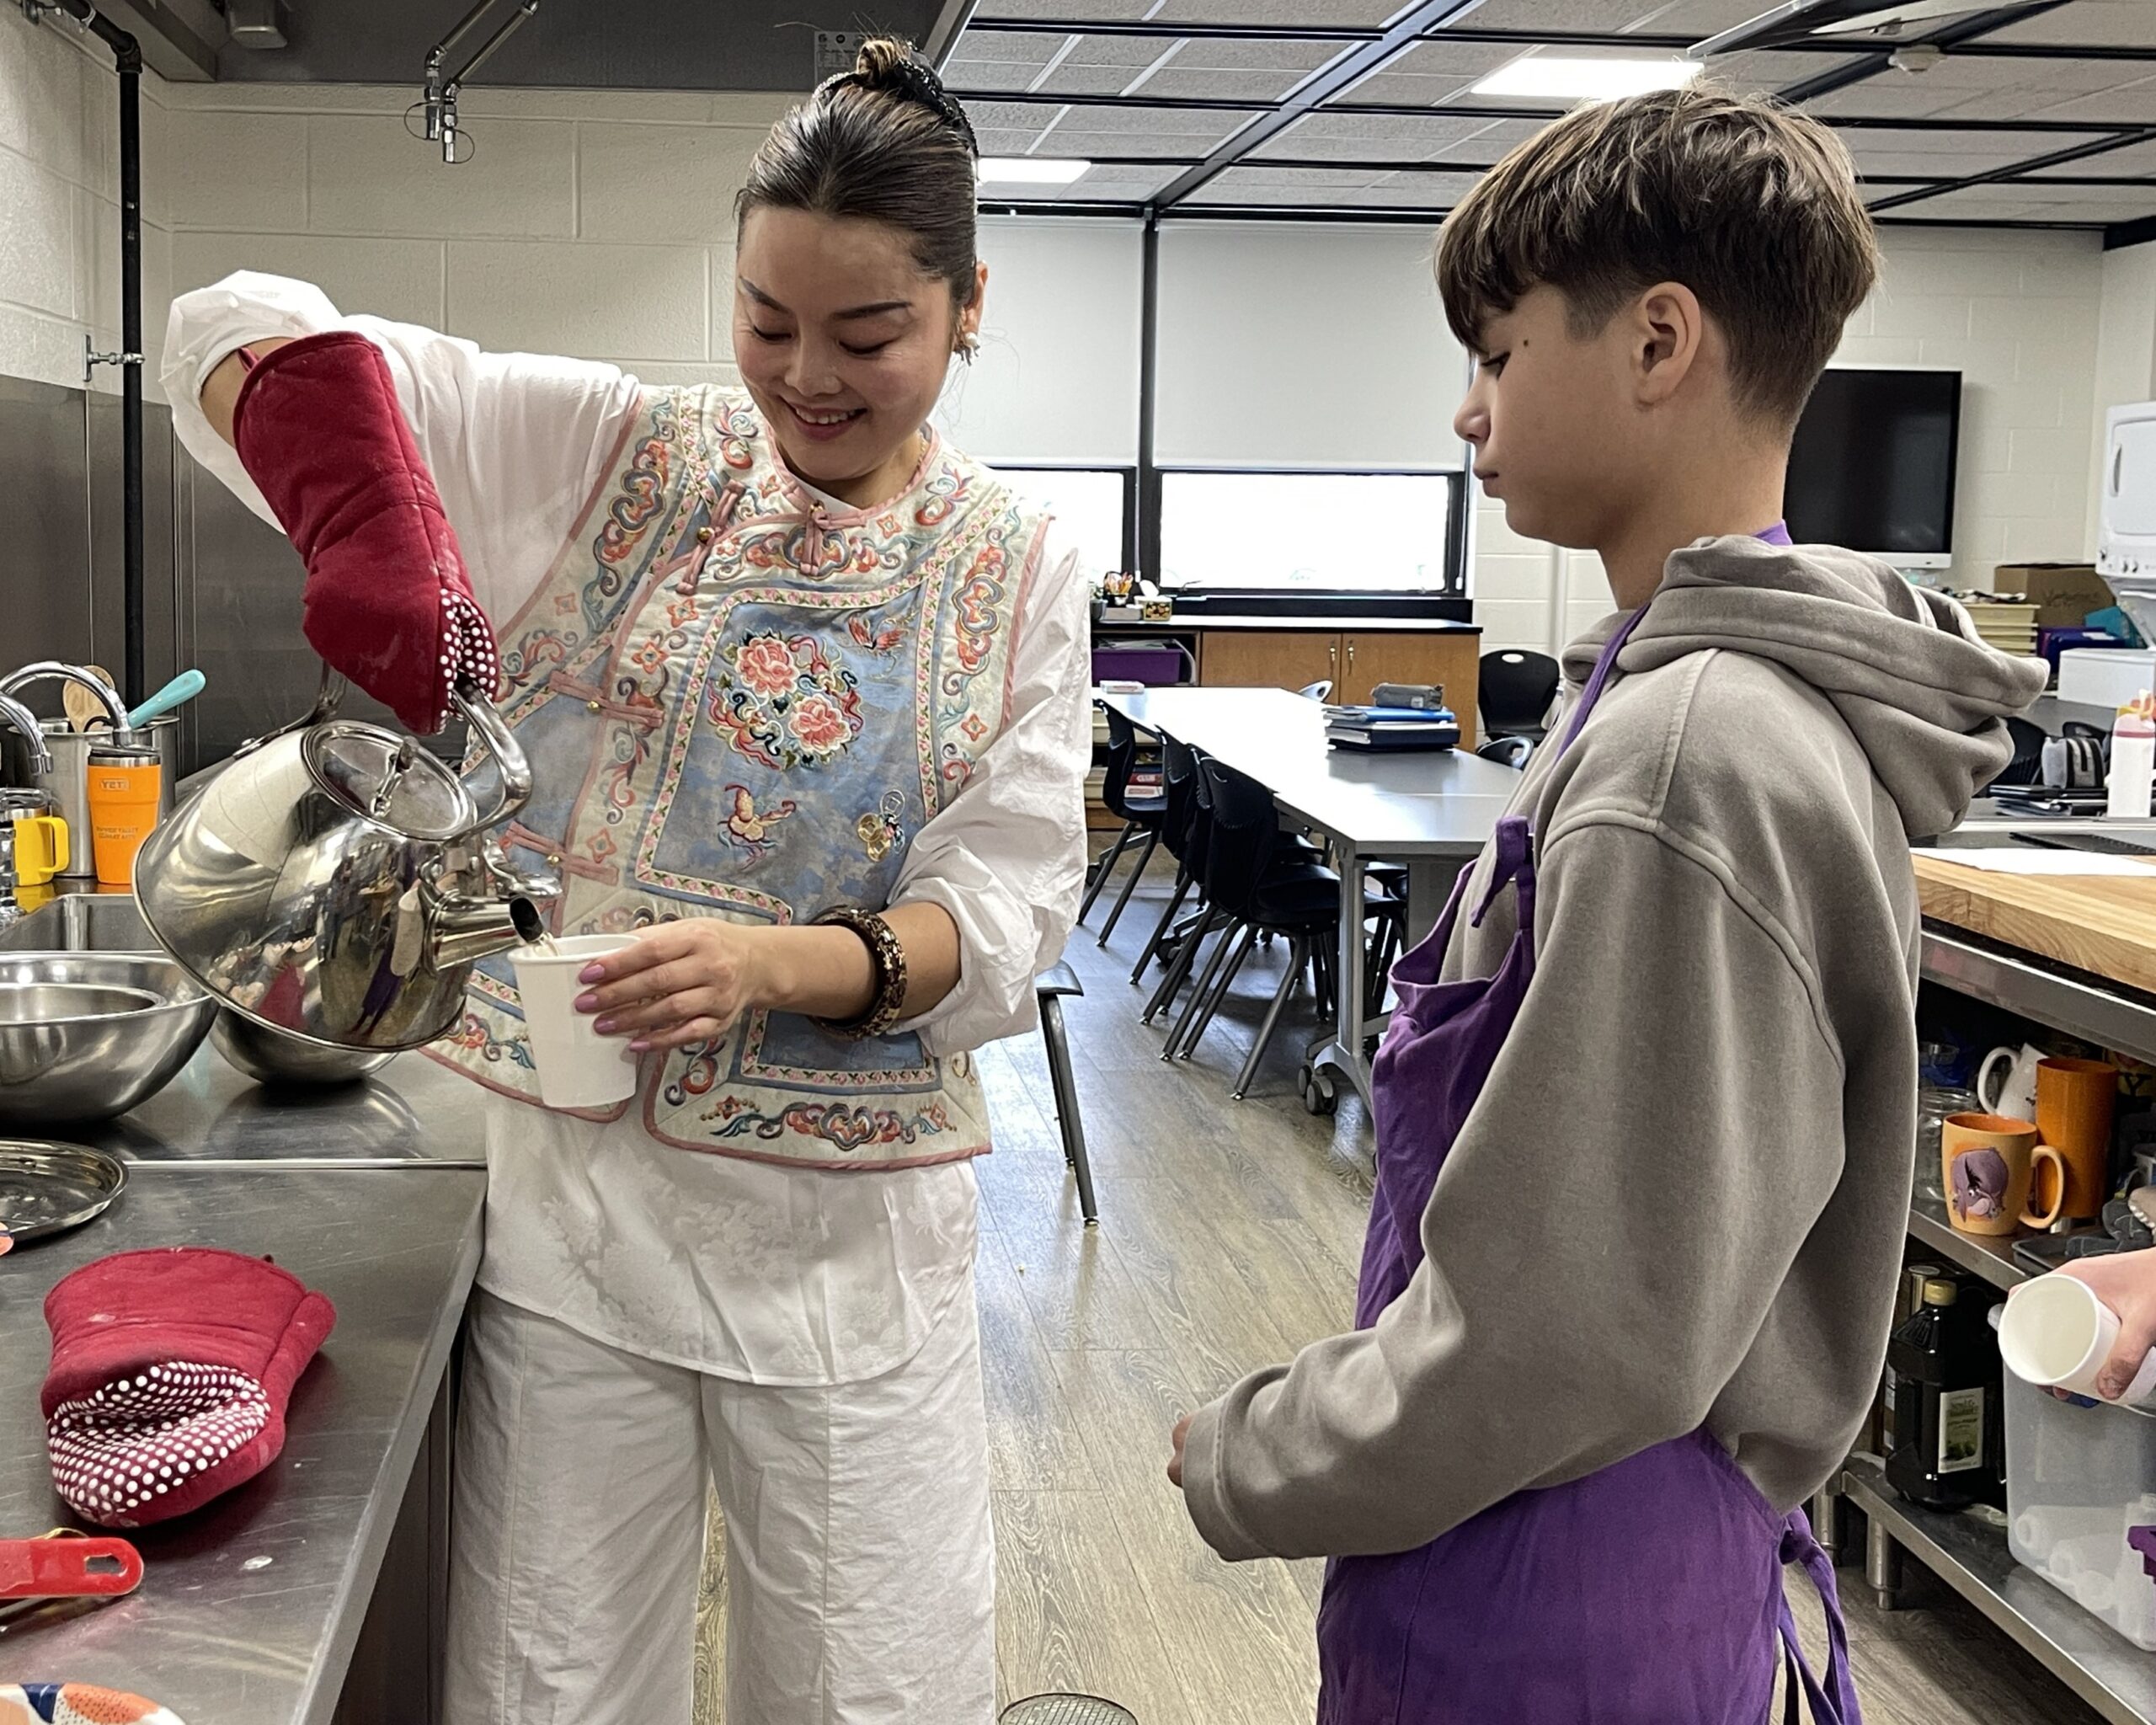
x: 1989, y: 1162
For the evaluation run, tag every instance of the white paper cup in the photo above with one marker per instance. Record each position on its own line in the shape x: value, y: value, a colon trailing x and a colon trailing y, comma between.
x: 577, y: 1067
x: 2056, y: 1333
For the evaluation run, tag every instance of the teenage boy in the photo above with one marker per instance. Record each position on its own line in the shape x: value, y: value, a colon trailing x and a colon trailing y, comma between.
x: 1663, y: 1045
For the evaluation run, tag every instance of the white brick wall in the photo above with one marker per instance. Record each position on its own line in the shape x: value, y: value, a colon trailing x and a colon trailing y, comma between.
x: 2018, y: 314
x: 593, y: 223
x: 60, y: 204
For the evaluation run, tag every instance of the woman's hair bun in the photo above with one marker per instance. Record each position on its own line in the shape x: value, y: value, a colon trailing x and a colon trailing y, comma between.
x: 891, y: 67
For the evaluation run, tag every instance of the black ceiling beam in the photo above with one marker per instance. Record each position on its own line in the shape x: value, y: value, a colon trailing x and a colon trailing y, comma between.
x: 2136, y: 233
x: 1856, y: 71
x: 1426, y: 217
x: 2018, y: 171
x: 1489, y: 110
x: 1343, y: 72
x: 1166, y: 29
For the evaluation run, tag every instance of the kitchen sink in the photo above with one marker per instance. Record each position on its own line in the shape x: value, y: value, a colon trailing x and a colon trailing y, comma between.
x: 81, y: 922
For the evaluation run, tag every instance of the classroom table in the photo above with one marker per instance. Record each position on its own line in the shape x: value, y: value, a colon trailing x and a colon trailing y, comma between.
x: 1430, y: 812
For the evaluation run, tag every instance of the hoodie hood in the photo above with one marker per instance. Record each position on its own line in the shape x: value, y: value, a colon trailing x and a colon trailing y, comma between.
x: 1925, y: 698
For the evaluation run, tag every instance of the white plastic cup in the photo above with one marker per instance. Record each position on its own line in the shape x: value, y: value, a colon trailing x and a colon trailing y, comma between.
x: 2056, y: 1333
x: 577, y: 1067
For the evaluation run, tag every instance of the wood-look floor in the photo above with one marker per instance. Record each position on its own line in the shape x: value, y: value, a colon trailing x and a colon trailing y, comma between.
x: 1228, y: 1237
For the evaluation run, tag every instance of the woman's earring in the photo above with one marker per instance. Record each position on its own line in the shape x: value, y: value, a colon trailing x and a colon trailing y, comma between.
x: 969, y: 345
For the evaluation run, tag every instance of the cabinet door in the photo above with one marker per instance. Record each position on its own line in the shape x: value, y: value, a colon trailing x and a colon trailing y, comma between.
x: 1268, y: 658
x: 1449, y: 659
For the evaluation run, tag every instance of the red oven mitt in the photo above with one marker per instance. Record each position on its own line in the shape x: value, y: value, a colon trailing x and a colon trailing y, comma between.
x: 319, y: 428
x: 170, y: 1373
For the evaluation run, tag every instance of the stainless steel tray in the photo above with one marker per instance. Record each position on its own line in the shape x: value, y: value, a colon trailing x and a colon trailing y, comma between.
x: 47, y: 1187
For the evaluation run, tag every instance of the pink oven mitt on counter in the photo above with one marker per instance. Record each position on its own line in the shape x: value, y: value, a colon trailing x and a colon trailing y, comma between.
x: 171, y: 1369
x: 319, y: 427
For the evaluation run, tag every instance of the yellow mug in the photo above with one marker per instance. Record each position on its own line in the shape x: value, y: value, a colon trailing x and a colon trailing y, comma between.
x: 122, y: 796
x: 40, y: 848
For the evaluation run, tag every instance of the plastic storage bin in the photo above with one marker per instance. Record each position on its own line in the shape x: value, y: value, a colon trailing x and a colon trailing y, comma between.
x: 2078, y: 1480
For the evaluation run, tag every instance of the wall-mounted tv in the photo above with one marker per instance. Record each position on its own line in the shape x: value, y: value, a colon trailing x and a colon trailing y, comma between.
x: 1872, y: 464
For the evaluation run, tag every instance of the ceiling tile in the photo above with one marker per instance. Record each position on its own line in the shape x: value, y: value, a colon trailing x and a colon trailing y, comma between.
x: 1036, y: 49
x: 989, y: 75
x: 1352, y: 12
x: 1249, y: 84
x: 2119, y: 23
x: 1112, y: 11
x: 2134, y: 158
x: 1764, y: 70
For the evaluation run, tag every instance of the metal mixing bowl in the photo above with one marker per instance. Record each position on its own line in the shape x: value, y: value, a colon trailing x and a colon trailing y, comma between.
x: 87, y: 1035
x: 272, y: 1057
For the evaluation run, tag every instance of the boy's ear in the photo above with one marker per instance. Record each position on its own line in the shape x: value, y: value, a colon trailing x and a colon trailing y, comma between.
x: 1665, y: 332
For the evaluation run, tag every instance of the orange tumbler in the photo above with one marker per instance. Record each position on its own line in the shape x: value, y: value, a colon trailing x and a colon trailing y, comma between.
x: 122, y: 786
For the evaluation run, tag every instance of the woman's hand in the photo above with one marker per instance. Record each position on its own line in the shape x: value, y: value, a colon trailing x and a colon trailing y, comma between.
x: 2126, y: 1283
x: 681, y: 982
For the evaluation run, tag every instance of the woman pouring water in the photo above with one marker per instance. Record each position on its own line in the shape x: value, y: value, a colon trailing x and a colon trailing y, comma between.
x: 803, y: 689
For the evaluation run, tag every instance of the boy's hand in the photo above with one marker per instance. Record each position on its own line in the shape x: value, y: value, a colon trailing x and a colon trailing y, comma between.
x: 1174, y: 1460
x: 2126, y: 1283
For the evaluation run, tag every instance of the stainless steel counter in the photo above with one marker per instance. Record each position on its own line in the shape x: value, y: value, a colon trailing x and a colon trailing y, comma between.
x: 412, y: 1110
x: 252, y: 1608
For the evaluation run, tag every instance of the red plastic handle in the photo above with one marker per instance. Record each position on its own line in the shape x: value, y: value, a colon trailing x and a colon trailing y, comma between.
x: 66, y: 1566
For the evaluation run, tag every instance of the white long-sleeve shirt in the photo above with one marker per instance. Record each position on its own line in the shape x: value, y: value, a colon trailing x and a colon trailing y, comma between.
x: 742, y: 1269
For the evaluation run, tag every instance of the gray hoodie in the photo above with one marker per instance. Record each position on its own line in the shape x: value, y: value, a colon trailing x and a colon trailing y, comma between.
x: 1681, y: 1198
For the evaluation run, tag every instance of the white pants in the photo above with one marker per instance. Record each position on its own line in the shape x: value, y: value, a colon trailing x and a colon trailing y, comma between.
x: 859, y: 1556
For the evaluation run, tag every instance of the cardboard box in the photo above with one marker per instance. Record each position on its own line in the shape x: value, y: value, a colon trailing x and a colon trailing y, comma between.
x: 2063, y: 593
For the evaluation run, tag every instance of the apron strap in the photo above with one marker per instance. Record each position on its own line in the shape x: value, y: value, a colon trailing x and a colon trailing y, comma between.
x: 1834, y: 1703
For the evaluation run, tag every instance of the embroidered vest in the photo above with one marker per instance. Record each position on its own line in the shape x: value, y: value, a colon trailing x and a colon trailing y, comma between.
x: 737, y: 705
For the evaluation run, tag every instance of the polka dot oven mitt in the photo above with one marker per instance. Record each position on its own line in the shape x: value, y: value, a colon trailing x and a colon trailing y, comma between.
x: 171, y: 1369
x: 389, y: 603
x: 76, y: 1704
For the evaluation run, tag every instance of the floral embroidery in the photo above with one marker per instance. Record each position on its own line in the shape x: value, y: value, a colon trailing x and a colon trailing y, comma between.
x: 847, y: 1126
x: 783, y: 702
x: 473, y: 1037
x: 882, y: 830
x: 750, y: 827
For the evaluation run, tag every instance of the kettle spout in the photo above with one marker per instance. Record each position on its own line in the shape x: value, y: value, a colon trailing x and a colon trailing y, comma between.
x: 462, y: 930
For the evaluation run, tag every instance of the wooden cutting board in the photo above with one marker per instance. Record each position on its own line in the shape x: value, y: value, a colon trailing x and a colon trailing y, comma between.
x: 2104, y: 924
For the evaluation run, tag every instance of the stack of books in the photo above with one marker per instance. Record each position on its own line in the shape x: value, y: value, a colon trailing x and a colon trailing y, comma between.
x: 1376, y: 728
x: 2008, y: 624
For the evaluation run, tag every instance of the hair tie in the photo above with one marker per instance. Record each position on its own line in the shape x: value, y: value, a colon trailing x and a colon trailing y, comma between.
x: 912, y: 80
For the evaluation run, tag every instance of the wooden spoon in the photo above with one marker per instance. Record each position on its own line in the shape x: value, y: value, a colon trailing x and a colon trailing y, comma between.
x: 84, y: 709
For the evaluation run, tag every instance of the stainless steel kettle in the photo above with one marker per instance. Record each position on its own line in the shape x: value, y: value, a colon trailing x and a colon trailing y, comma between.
x: 331, y: 880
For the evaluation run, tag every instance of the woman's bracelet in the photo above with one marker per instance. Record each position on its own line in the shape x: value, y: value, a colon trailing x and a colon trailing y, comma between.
x: 886, y: 958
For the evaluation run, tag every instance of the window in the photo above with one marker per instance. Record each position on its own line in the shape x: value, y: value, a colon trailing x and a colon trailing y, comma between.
x: 1093, y: 509
x: 1318, y: 533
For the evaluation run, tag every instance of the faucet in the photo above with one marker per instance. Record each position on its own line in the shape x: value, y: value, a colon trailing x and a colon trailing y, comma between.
x: 25, y: 721
x: 58, y: 671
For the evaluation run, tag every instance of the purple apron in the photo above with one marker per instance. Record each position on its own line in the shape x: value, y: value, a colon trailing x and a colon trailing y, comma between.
x: 1646, y: 1593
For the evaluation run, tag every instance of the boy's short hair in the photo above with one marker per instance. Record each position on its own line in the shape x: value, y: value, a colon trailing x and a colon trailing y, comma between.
x: 1752, y: 205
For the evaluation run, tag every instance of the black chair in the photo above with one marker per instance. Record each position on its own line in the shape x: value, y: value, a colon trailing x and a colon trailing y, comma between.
x: 2027, y: 765
x: 1508, y: 751
x: 1515, y: 693
x: 1187, y: 831
x: 1049, y: 989
x: 1139, y: 814
x: 1261, y: 882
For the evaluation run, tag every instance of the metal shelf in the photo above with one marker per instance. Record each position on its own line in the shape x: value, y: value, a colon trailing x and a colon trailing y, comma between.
x: 2068, y: 1001
x: 2105, y: 1669
x: 1982, y: 1255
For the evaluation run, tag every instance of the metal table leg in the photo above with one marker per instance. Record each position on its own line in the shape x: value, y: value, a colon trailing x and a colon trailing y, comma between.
x: 1882, y: 1565
x: 1343, y: 1057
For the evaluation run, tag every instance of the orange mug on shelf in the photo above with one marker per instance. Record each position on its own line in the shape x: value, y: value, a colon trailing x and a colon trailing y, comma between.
x: 122, y: 787
x: 2075, y: 1102
x: 1990, y: 1163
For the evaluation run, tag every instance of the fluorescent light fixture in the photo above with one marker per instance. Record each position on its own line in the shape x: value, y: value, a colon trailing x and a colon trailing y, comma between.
x: 1577, y: 79
x: 1030, y: 170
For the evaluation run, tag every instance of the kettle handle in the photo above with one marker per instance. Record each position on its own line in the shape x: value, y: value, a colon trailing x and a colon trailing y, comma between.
x: 508, y: 756
x: 328, y: 697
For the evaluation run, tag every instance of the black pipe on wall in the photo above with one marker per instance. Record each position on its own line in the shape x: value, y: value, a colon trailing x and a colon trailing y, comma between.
x: 127, y: 60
